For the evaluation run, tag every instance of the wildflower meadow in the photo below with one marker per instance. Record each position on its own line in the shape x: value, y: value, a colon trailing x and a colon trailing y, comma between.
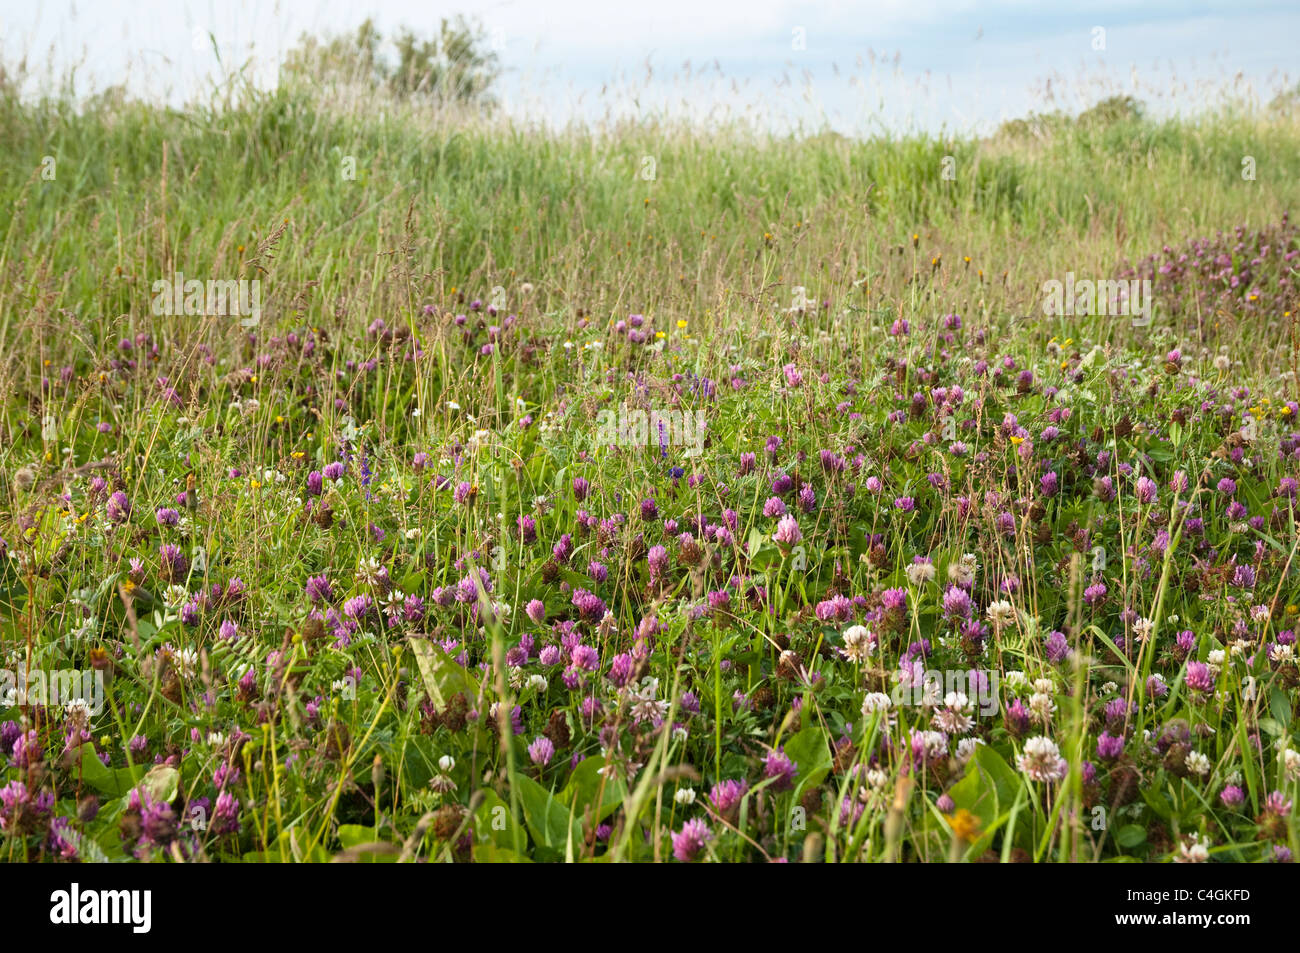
x: 388, y: 480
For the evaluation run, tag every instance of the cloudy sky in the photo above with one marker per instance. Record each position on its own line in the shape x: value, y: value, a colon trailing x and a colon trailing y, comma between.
x: 855, y: 67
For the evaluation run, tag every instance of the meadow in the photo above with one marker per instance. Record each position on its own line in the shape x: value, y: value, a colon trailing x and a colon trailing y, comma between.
x: 643, y: 492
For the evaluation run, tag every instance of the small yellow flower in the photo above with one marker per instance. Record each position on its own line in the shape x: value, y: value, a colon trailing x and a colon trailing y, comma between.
x: 128, y: 585
x: 660, y: 335
x: 297, y: 454
x: 1017, y: 441
x: 254, y: 484
x: 964, y: 824
x: 681, y: 324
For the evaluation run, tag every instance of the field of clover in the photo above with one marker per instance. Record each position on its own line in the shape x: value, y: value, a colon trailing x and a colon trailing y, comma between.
x: 579, y: 555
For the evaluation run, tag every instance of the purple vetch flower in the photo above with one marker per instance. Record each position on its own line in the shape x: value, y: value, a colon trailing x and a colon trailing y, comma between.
x: 657, y: 557
x: 580, y: 488
x: 167, y: 516
x: 621, y: 669
x: 1277, y: 804
x: 357, y: 607
x: 584, y: 657
x: 690, y: 840
x: 1199, y: 678
x: 725, y: 796
x: 225, y: 816
x: 956, y: 603
x: 591, y: 608
x: 1058, y: 647
x: 527, y: 529
x: 172, y: 561
x: 1109, y: 747
x: 563, y: 549
x: 541, y: 751
x: 118, y: 508
x: 319, y: 589
x: 787, y: 531
x: 777, y: 766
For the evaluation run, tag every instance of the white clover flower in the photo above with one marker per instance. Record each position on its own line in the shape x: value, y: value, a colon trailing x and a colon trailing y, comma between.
x: 857, y: 643
x: 1291, y: 763
x: 874, y: 702
x: 1041, y: 705
x: 960, y: 575
x: 685, y: 796
x: 1044, y: 686
x: 1143, y: 628
x: 78, y: 712
x: 1016, y: 679
x: 1248, y: 688
x: 216, y: 739
x: 1194, y: 851
x: 918, y: 574
x: 446, y: 763
x: 1001, y: 613
x: 537, y: 682
x: 187, y: 660
x: 966, y: 749
x: 1197, y: 763
x: 1041, y: 760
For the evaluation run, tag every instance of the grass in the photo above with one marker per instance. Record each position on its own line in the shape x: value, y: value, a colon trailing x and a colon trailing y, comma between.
x: 442, y: 331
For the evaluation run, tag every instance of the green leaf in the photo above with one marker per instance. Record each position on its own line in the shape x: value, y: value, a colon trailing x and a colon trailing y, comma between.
x: 1130, y: 835
x: 490, y: 853
x: 492, y: 820
x: 583, y: 786
x: 812, y: 757
x: 546, y: 816
x: 1280, y: 705
x: 110, y: 781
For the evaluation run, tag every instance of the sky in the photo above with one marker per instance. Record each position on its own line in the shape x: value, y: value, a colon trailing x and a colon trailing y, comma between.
x: 854, y: 67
